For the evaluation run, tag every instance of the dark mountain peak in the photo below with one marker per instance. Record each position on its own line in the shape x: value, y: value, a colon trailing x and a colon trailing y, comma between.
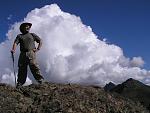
x: 109, y: 86
x: 129, y: 85
x: 110, y: 83
x: 130, y: 79
x: 135, y: 90
x: 63, y: 98
x: 132, y: 83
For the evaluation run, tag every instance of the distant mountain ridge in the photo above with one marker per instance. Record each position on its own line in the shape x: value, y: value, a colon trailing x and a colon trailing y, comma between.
x: 134, y: 90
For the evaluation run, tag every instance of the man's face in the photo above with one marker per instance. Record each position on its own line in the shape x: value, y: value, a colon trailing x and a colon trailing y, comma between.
x: 27, y: 28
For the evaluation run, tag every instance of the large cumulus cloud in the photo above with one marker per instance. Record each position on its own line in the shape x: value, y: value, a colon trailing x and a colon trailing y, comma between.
x: 71, y: 52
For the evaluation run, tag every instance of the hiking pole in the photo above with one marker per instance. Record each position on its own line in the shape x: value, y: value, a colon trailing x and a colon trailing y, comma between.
x: 13, y: 59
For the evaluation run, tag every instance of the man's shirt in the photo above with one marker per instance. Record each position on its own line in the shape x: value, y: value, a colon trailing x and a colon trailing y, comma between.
x: 27, y: 41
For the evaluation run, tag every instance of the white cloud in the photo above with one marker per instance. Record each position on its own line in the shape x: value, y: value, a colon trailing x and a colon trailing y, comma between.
x: 137, y: 62
x: 147, y: 80
x: 71, y: 52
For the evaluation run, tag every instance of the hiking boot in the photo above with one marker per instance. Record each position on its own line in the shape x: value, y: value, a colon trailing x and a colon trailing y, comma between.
x: 41, y: 81
x: 19, y: 85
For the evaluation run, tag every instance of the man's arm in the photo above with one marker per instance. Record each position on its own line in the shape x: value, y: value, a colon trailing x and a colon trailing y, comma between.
x: 38, y: 40
x: 39, y: 45
x: 14, y: 48
x: 16, y: 42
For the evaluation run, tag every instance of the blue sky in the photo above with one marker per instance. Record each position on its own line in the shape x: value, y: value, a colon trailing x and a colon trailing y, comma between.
x: 125, y: 23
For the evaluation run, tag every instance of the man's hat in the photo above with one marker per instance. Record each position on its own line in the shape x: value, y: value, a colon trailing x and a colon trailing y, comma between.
x: 24, y: 24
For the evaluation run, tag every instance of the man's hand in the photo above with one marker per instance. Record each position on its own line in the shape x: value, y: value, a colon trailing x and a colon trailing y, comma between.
x: 35, y: 50
x: 12, y: 51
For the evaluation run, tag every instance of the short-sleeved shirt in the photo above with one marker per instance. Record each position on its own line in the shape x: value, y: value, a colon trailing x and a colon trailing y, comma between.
x: 27, y: 41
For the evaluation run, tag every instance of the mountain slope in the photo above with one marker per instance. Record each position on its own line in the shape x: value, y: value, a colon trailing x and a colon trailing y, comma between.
x: 134, y: 90
x: 63, y: 98
x: 109, y: 86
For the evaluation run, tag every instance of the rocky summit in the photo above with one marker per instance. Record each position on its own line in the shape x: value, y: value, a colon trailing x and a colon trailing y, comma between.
x: 64, y: 98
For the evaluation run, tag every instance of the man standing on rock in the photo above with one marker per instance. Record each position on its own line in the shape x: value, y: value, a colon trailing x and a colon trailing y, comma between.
x: 27, y: 54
